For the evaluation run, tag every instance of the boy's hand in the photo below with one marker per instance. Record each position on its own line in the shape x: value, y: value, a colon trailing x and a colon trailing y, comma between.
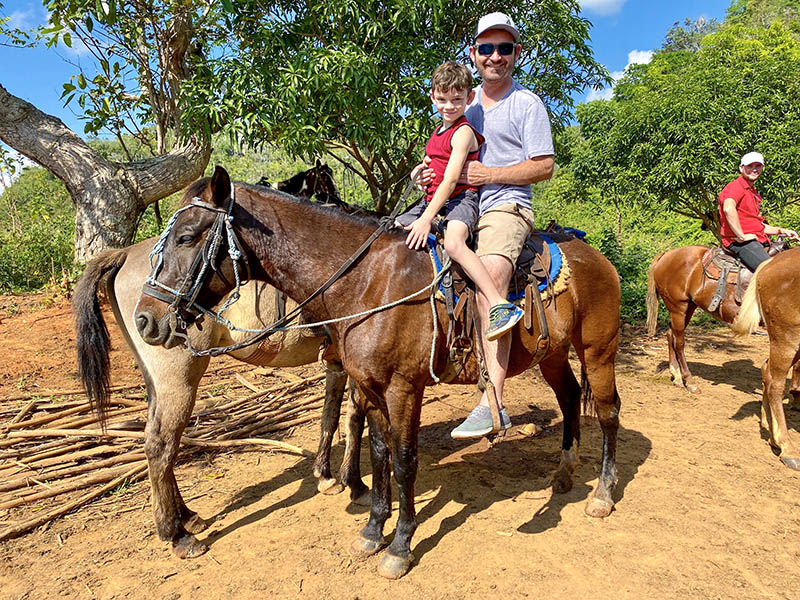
x: 418, y: 233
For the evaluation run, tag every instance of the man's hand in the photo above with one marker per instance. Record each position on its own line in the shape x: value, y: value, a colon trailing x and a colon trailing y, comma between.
x: 422, y: 174
x: 748, y: 236
x: 474, y: 173
x: 418, y: 233
x: 790, y: 233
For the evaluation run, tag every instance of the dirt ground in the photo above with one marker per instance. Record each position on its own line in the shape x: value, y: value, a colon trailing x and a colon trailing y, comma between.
x: 704, y: 508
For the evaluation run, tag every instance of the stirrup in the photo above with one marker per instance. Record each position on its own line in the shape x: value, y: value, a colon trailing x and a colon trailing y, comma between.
x: 714, y: 304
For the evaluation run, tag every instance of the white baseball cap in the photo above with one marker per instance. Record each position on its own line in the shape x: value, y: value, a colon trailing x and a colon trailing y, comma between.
x: 752, y: 157
x: 497, y: 20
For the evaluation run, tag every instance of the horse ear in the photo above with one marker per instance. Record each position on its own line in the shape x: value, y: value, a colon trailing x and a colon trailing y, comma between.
x: 319, y: 164
x: 220, y: 187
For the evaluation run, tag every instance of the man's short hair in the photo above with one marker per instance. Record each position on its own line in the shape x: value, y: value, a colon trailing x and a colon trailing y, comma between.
x: 451, y: 76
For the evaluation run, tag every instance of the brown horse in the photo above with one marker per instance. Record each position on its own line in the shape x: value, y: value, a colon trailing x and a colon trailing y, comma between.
x: 773, y: 296
x: 296, y: 246
x: 676, y: 276
x: 172, y: 375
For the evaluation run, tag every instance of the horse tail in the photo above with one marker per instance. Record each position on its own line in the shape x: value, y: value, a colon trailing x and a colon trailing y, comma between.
x: 92, y: 337
x: 652, y: 297
x: 749, y: 315
x: 588, y: 406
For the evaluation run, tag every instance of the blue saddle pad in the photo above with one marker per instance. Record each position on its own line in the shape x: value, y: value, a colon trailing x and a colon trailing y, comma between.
x: 555, y: 264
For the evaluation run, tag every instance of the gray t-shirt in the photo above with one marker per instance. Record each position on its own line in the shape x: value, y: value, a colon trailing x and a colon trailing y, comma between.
x: 516, y: 128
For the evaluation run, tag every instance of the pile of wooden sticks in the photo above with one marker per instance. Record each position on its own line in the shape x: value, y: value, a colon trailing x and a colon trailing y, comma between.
x: 55, y: 457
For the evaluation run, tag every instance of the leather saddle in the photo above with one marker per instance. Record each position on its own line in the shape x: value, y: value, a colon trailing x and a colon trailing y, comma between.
x: 722, y: 266
x: 531, y: 279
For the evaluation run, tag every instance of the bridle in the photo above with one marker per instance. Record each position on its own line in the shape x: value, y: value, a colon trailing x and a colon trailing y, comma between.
x: 184, y: 299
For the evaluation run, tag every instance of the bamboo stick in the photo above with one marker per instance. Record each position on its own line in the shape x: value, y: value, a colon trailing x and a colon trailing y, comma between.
x: 25, y: 410
x: 95, y: 418
x: 80, y: 483
x: 12, y: 531
x: 247, y: 442
x: 50, y: 417
x: 74, y: 392
x: 21, y: 482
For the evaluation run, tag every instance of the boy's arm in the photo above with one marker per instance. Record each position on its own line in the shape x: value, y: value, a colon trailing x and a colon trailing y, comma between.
x: 462, y: 142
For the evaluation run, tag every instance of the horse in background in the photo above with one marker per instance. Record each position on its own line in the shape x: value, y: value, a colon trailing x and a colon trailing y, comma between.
x: 677, y: 277
x: 315, y: 182
x: 387, y: 353
x: 774, y: 297
x: 172, y: 375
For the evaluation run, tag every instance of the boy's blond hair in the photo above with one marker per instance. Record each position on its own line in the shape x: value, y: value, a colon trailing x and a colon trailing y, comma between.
x: 451, y: 76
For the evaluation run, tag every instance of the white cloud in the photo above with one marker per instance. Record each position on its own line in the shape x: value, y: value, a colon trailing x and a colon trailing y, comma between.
x: 602, y: 7
x: 639, y: 57
x: 635, y: 57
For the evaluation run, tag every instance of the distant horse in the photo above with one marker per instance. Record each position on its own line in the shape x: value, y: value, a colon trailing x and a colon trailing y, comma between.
x: 774, y: 296
x: 316, y: 181
x: 677, y: 277
x: 296, y: 246
x: 173, y: 374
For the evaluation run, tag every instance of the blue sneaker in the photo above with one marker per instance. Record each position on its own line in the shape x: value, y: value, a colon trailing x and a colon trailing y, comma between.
x: 479, y: 423
x: 502, y: 317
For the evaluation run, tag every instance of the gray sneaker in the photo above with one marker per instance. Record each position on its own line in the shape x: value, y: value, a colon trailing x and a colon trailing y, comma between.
x: 479, y: 423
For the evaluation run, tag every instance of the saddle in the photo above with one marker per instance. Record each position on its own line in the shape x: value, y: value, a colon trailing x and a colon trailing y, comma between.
x: 723, y: 267
x: 541, y: 273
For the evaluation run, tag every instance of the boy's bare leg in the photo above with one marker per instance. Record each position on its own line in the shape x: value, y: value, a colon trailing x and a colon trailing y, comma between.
x: 455, y: 243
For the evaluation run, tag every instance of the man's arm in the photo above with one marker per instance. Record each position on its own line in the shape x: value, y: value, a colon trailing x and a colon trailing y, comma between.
x: 732, y: 216
x: 770, y: 230
x: 533, y: 170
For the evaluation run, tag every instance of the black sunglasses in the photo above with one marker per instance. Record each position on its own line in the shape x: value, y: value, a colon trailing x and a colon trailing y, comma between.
x: 505, y: 49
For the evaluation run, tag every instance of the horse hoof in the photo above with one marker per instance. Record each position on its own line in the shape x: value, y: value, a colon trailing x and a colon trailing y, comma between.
x: 195, y: 524
x: 329, y: 487
x: 598, y: 508
x: 394, y: 567
x: 188, y: 547
x: 691, y: 387
x: 364, y: 499
x: 562, y: 482
x: 362, y: 547
x: 791, y: 462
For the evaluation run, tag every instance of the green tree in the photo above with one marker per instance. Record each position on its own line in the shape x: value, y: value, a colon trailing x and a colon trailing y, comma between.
x: 349, y: 78
x: 681, y: 122
x: 140, y: 53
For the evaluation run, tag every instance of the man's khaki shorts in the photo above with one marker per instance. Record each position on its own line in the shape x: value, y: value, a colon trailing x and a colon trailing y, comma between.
x: 503, y: 230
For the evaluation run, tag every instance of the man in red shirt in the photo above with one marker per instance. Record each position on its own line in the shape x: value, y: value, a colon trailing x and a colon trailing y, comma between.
x: 743, y: 230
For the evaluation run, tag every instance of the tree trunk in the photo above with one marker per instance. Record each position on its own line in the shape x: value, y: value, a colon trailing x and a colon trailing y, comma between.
x: 109, y: 197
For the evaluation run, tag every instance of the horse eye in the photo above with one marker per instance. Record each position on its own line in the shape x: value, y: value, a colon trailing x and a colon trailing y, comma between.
x: 185, y: 240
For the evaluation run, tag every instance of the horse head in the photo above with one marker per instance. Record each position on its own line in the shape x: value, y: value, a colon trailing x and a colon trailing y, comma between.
x: 194, y: 261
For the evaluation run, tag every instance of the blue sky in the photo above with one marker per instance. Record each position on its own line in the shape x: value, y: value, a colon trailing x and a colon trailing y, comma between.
x: 624, y: 31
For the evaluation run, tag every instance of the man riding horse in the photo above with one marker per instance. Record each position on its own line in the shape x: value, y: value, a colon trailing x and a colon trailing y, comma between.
x: 742, y: 227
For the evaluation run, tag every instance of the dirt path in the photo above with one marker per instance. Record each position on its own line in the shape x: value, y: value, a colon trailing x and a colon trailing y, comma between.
x: 704, y: 508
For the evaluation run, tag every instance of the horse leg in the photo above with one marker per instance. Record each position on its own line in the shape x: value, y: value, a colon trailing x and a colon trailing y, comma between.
x: 794, y: 388
x: 679, y: 319
x: 171, y: 377
x: 335, y: 381
x: 350, y: 471
x: 774, y: 373
x: 559, y: 376
x: 405, y: 432
x: 599, y: 364
x: 370, y: 539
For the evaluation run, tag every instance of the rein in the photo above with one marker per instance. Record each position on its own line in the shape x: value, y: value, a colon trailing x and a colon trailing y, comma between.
x: 208, y: 256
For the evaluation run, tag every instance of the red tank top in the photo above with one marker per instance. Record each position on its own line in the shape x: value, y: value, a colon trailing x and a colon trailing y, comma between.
x: 439, y: 148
